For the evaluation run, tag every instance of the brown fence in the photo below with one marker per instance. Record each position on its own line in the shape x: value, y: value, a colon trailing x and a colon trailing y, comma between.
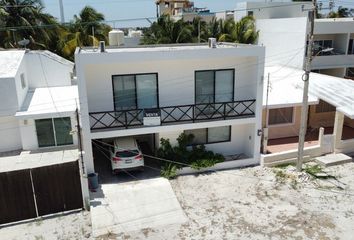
x: 31, y: 193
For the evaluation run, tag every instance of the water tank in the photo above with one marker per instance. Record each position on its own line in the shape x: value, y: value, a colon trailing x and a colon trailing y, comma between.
x: 113, y: 38
x: 135, y: 33
x: 120, y: 37
x: 116, y: 37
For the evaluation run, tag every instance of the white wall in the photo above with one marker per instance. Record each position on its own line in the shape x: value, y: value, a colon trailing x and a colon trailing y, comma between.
x: 8, y: 97
x: 268, y: 10
x: 21, y: 92
x: 284, y: 39
x: 10, y: 134
x: 175, y: 79
x: 55, y: 73
x: 241, y: 141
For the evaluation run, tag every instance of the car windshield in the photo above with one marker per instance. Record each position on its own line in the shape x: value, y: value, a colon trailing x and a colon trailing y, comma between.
x: 127, y: 153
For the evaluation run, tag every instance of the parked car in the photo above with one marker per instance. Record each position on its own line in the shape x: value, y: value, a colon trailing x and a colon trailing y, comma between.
x: 126, y: 155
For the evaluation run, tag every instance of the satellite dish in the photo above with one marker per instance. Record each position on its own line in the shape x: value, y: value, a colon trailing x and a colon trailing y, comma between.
x: 24, y: 42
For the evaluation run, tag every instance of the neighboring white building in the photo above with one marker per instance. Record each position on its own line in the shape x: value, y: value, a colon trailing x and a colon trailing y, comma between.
x: 214, y: 93
x: 224, y: 15
x: 37, y: 100
x: 271, y: 9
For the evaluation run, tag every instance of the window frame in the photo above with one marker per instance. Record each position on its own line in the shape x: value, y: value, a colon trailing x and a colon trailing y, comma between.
x: 207, y: 136
x: 54, y: 133
x: 214, y: 83
x: 136, y: 93
x: 351, y: 42
x: 281, y: 124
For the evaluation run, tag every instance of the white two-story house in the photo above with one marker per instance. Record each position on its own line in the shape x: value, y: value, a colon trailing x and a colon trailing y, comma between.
x: 213, y: 93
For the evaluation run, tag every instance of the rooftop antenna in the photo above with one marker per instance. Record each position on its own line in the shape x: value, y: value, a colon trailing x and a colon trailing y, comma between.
x: 23, y: 43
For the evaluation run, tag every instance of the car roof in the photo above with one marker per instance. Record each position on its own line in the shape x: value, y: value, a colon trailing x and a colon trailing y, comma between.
x: 125, y: 143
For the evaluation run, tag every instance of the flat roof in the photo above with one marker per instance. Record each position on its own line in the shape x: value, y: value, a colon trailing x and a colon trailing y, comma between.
x: 164, y: 48
x: 50, y: 101
x: 32, y: 159
x: 283, y: 89
x: 10, y: 60
x: 350, y: 19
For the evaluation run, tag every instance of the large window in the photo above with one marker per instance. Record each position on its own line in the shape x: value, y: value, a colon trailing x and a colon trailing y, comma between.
x: 53, y: 132
x: 323, y: 107
x: 320, y: 45
x: 210, y: 135
x: 135, y: 91
x: 281, y: 116
x: 214, y: 86
x: 351, y: 46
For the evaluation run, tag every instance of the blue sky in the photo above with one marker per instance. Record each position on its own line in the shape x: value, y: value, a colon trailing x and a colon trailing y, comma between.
x: 128, y: 9
x: 125, y: 9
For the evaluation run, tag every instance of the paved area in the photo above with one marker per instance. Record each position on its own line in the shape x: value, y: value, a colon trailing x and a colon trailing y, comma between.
x: 132, y: 206
x: 58, y: 227
x: 333, y: 159
x: 31, y: 159
x: 261, y: 203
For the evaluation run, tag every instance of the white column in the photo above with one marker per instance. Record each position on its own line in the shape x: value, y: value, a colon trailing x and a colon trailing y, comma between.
x: 338, y: 129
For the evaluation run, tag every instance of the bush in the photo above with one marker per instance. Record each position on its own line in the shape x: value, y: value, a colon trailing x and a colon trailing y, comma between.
x: 198, y: 157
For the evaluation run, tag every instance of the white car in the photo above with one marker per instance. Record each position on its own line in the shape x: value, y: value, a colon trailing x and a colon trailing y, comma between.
x: 126, y: 155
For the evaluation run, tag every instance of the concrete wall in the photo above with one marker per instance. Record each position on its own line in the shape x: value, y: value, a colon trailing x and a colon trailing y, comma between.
x: 176, y: 81
x: 284, y: 130
x: 10, y: 134
x: 44, y: 71
x: 284, y: 39
x: 268, y: 10
x: 29, y: 133
x: 242, y: 141
x: 8, y: 97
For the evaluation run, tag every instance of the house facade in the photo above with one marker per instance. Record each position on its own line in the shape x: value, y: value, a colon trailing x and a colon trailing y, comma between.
x: 37, y: 100
x: 158, y: 92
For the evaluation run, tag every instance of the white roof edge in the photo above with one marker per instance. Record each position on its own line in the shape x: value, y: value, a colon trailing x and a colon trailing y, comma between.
x: 285, y: 105
x: 52, y: 56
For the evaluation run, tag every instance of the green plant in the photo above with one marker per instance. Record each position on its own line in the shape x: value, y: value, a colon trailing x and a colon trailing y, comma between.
x: 169, y: 171
x: 204, y: 163
x: 317, y: 172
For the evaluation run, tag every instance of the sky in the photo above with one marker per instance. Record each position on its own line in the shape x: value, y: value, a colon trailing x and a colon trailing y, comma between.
x: 128, y: 9
x: 125, y: 9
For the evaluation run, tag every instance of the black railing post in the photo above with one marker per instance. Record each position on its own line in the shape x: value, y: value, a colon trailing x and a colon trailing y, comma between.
x: 193, y: 113
x: 224, y: 111
x: 125, y: 120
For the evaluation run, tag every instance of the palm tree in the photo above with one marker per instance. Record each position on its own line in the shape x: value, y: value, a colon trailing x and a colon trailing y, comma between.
x: 23, y: 19
x: 243, y: 31
x: 166, y: 31
x: 341, y: 13
x: 86, y: 29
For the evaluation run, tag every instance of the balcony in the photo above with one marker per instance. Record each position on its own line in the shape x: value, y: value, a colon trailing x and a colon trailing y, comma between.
x: 172, y: 115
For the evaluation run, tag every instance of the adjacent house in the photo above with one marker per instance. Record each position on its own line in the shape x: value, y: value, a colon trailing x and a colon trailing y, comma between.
x: 37, y: 100
x: 154, y: 92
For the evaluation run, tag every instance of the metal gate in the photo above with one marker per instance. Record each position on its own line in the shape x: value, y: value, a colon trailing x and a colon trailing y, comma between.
x: 31, y: 193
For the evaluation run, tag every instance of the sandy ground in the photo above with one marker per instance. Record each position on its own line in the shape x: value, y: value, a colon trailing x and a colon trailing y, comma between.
x: 259, y: 203
x: 63, y: 227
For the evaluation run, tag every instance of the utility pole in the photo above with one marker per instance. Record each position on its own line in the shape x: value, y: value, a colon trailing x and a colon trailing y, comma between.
x: 79, y: 138
x: 61, y: 7
x: 306, y: 79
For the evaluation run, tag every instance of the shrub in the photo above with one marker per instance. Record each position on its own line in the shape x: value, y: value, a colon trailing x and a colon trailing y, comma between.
x: 169, y: 171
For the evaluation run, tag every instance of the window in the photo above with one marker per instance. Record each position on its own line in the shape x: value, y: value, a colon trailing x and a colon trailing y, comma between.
x: 320, y: 45
x: 53, y: 132
x: 350, y: 72
x: 23, y: 80
x: 250, y: 13
x: 323, y: 107
x: 351, y: 46
x: 210, y: 135
x: 135, y: 91
x: 280, y: 116
x: 214, y: 86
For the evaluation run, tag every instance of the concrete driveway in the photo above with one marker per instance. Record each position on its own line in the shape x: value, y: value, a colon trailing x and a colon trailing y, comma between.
x: 131, y: 206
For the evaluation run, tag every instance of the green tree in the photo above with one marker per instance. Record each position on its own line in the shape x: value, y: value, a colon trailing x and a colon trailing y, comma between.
x: 85, y: 30
x: 165, y: 31
x: 22, y: 19
x: 341, y: 13
x: 243, y: 31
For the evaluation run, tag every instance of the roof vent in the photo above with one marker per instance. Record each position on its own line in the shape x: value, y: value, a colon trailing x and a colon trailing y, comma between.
x: 212, y: 42
x: 102, y: 46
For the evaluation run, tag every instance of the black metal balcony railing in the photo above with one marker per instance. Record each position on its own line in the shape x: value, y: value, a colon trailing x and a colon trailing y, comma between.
x: 174, y: 114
